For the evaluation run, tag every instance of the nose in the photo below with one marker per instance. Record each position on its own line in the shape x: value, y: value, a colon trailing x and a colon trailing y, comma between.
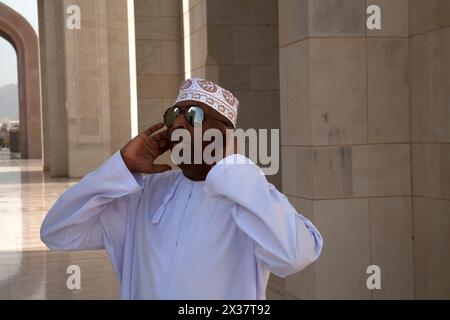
x: 179, y: 123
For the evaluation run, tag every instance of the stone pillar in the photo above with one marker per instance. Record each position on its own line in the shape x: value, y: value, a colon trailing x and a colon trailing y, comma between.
x: 87, y: 103
x: 43, y: 71
x: 344, y: 95
x: 430, y: 135
x: 195, y: 43
x: 158, y: 60
x: 121, y: 71
x: 97, y: 84
x: 51, y: 40
x: 18, y: 31
x: 158, y: 57
x: 235, y: 43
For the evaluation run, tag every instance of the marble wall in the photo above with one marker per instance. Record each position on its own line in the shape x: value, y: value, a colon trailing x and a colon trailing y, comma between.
x: 346, y: 143
x: 430, y: 143
x: 364, y: 117
x: 87, y: 88
x: 158, y: 57
x: 52, y: 55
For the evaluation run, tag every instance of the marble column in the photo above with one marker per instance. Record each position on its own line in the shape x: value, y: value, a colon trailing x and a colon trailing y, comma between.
x: 235, y: 43
x: 430, y: 138
x: 98, y: 90
x: 346, y: 148
x: 52, y: 51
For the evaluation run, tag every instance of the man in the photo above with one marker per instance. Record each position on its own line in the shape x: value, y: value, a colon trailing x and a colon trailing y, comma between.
x: 202, y: 232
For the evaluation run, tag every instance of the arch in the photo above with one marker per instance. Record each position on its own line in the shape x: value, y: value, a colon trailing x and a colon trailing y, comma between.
x: 15, y: 29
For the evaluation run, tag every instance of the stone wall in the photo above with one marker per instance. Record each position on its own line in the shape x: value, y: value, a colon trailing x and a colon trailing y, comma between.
x: 430, y: 138
x: 235, y: 44
x: 87, y: 88
x: 158, y: 54
x: 345, y: 143
x: 52, y: 55
x: 364, y: 116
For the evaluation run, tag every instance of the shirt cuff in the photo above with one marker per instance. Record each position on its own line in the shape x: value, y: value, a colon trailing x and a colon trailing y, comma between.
x: 135, y: 178
x: 234, y: 162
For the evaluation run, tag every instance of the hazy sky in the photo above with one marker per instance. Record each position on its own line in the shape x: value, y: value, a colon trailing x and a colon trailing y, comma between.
x: 8, y: 62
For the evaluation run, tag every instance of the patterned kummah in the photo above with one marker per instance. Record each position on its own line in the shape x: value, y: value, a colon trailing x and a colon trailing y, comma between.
x: 218, y: 98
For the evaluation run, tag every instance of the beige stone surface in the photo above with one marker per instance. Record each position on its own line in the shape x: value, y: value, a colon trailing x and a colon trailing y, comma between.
x: 337, y: 18
x: 297, y: 171
x: 364, y: 117
x: 430, y: 170
x: 16, y: 29
x: 158, y: 57
x: 263, y: 12
x: 227, y: 12
x: 170, y: 8
x: 264, y: 77
x: 260, y: 109
x: 54, y: 114
x: 388, y: 93
x: 293, y: 17
x: 295, y: 94
x: 381, y: 170
x: 237, y: 77
x: 394, y: 18
x: 428, y: 15
x: 341, y: 268
x: 332, y: 172
x: 392, y: 246
x: 147, y: 8
x: 158, y: 86
x: 431, y: 252
x: 157, y: 28
x: 219, y: 44
x: 250, y: 39
x: 338, y: 80
x: 430, y: 71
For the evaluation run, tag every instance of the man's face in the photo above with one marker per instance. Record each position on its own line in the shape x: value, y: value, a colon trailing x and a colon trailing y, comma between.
x: 212, y: 120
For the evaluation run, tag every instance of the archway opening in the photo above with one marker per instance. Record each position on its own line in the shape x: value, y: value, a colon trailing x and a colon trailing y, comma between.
x: 15, y: 28
x: 9, y: 102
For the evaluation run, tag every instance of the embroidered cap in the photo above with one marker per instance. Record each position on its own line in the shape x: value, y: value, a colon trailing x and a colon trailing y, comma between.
x: 211, y: 94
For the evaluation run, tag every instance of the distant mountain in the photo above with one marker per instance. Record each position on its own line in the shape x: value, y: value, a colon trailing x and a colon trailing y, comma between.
x: 9, y: 102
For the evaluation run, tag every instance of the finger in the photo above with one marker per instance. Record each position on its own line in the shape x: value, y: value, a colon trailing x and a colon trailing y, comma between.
x: 154, y: 128
x: 160, y: 135
x: 163, y: 143
x: 163, y: 149
x: 150, y: 144
x: 146, y: 138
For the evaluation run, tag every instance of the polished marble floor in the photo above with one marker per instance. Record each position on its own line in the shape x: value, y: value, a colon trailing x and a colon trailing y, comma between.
x: 28, y: 270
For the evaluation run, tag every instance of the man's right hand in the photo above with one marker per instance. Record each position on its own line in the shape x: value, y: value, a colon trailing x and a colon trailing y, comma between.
x: 140, y: 153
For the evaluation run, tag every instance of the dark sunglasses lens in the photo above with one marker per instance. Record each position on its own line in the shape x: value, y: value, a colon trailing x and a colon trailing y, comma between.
x: 170, y: 116
x: 194, y: 115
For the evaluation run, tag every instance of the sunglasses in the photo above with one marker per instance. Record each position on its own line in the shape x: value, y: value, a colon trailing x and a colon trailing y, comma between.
x: 193, y: 115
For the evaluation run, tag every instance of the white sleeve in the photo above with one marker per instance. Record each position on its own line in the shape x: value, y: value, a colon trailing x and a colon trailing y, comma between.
x: 92, y: 214
x: 286, y: 242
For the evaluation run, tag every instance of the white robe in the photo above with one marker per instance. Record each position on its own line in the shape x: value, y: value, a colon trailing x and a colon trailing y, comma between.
x: 172, y: 238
